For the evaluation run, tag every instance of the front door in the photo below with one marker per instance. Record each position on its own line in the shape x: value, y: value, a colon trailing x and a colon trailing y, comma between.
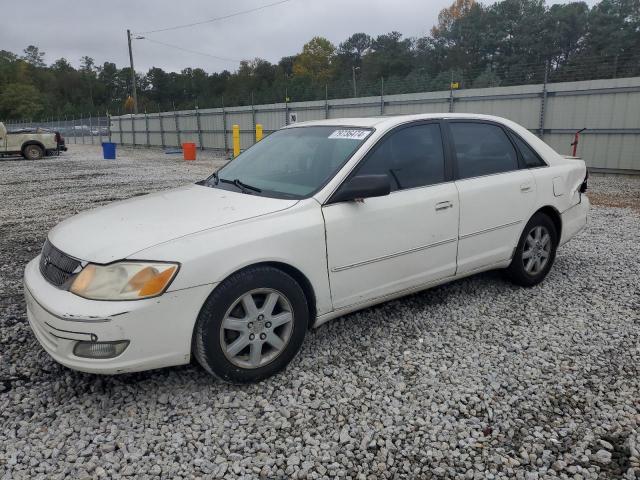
x: 497, y: 195
x: 408, y: 238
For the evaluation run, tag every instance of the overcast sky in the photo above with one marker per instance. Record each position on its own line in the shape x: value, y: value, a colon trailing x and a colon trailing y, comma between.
x: 71, y: 29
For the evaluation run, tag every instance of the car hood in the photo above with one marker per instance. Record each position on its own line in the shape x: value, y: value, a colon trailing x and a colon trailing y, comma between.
x: 121, y: 229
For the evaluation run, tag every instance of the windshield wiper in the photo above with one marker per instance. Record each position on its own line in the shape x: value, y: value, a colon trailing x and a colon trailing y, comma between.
x: 240, y: 184
x: 245, y: 188
x: 207, y: 181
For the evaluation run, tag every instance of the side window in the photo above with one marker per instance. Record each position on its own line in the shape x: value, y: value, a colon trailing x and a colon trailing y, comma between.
x: 412, y: 157
x: 531, y: 158
x: 482, y: 149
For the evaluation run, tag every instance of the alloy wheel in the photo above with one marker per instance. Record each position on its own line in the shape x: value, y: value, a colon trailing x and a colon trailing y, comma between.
x: 256, y: 328
x: 536, y: 250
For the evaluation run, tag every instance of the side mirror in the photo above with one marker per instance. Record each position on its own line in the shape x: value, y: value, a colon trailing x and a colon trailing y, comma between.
x: 362, y: 186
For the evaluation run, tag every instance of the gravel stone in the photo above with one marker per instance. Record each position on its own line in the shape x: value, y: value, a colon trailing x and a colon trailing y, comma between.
x: 603, y: 456
x: 477, y: 379
x: 606, y: 444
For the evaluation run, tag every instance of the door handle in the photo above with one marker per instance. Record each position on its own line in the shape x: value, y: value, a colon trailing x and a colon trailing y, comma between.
x: 443, y: 205
x: 525, y: 187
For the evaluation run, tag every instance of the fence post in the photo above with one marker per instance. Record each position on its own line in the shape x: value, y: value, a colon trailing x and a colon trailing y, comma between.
x: 224, y: 129
x: 120, y: 129
x: 133, y: 129
x: 199, y: 128
x: 109, y: 126
x: 161, y: 127
x: 326, y: 101
x: 253, y: 114
x: 91, y: 128
x: 82, y: 128
x: 543, y: 100
x: 451, y: 93
x: 175, y: 119
x: 381, y: 95
x: 286, y: 106
x: 146, y: 127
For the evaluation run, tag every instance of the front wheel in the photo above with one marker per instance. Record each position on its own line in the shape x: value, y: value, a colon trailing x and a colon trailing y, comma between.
x: 251, y: 326
x: 33, y: 152
x: 535, y: 253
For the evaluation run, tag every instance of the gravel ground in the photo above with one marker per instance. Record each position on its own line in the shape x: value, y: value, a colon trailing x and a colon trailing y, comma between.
x: 476, y: 379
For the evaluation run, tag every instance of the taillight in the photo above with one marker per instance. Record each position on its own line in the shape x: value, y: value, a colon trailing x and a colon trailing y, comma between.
x: 583, y: 185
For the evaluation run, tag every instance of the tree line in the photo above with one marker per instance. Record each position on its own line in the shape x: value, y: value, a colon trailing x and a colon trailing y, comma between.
x: 510, y: 42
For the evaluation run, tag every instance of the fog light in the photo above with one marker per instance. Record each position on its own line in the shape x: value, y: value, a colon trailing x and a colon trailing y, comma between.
x: 100, y: 349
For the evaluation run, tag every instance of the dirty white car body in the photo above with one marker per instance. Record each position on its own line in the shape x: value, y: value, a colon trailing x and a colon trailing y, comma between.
x: 346, y: 255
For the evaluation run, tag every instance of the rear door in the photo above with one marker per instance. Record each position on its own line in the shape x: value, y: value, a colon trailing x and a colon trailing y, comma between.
x: 497, y: 194
x: 408, y: 238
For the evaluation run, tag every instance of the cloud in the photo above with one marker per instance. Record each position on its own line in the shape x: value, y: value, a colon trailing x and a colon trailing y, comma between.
x: 98, y: 29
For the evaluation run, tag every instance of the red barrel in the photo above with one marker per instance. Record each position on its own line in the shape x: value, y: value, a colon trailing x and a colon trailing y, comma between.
x: 189, y: 151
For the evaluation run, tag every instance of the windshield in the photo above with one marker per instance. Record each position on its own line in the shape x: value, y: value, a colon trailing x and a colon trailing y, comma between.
x: 293, y: 162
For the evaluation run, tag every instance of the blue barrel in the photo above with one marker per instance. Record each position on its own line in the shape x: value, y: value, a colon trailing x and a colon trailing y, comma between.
x: 109, y: 150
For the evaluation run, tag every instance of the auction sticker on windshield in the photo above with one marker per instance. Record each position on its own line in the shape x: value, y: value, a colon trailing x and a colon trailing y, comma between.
x: 350, y: 134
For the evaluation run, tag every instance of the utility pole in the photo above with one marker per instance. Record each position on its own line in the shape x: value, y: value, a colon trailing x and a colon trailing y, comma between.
x: 133, y: 74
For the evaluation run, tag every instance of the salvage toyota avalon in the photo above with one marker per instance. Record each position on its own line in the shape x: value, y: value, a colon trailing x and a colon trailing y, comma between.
x: 317, y: 220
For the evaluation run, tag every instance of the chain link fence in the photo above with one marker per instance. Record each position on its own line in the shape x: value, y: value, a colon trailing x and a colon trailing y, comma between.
x: 76, y: 131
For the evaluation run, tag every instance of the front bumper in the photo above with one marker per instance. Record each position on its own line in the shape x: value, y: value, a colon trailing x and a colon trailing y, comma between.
x: 159, y: 329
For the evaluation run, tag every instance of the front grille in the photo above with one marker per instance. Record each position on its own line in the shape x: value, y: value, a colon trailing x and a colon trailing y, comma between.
x: 55, y: 265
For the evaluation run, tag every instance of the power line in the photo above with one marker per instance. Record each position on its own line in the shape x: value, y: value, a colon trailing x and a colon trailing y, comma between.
x: 216, y: 19
x: 225, y: 59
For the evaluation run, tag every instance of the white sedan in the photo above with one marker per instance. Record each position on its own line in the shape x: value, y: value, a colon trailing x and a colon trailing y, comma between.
x: 317, y: 220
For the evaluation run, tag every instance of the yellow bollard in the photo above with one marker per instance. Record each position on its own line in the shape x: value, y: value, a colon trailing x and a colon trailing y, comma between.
x: 236, y: 140
x: 258, y: 132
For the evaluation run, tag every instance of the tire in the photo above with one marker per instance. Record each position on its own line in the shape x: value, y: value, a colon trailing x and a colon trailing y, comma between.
x: 230, y: 333
x: 33, y: 152
x: 535, y: 253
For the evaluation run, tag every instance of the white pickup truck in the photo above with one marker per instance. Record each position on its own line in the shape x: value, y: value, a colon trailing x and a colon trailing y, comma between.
x: 31, y: 143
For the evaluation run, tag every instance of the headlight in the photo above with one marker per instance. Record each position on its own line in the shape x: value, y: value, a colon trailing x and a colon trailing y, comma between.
x: 124, y: 280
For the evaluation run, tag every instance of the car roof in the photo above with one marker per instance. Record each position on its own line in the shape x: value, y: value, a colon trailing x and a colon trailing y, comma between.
x: 388, y: 121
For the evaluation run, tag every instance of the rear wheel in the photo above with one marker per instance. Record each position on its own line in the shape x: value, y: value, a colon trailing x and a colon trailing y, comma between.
x: 535, y: 253
x: 251, y: 326
x: 33, y: 152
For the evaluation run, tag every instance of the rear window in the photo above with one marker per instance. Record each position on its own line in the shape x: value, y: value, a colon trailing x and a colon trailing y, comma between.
x: 482, y: 149
x: 530, y: 157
